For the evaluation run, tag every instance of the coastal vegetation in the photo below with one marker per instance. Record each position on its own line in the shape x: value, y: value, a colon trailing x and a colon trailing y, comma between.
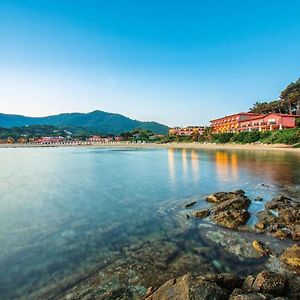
x: 288, y: 102
x: 285, y: 136
x: 141, y: 135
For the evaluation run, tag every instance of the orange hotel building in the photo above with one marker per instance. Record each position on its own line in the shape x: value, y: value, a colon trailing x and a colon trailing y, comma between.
x: 231, y: 123
x: 253, y: 122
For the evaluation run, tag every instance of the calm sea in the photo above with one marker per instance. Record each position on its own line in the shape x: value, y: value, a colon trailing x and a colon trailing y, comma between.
x: 69, y: 213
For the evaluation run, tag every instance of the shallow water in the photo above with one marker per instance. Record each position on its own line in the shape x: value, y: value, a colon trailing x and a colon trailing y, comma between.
x: 69, y: 213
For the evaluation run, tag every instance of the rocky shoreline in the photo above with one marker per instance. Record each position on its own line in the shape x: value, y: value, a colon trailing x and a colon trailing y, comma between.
x: 271, y: 243
x: 280, y: 218
x: 266, y: 285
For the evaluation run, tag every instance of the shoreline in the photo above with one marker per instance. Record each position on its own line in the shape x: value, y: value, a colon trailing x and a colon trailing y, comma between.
x: 259, y: 147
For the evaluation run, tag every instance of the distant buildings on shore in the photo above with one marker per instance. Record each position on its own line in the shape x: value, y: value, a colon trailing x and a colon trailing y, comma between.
x: 187, y: 131
x: 60, y: 140
x: 253, y: 122
x: 95, y: 139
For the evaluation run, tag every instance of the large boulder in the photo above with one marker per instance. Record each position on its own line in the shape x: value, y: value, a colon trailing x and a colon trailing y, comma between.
x: 232, y: 242
x: 234, y: 203
x: 231, y: 218
x: 266, y: 285
x: 291, y: 256
x: 240, y: 295
x: 270, y: 283
x: 230, y: 209
x: 281, y: 218
x: 226, y: 281
x: 188, y: 288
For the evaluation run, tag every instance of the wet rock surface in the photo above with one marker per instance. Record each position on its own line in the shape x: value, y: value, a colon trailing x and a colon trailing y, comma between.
x: 230, y: 209
x: 231, y: 218
x: 291, y: 256
x: 281, y: 218
x: 270, y: 283
x: 265, y: 285
x: 186, y: 288
x: 223, y: 196
x: 203, y: 213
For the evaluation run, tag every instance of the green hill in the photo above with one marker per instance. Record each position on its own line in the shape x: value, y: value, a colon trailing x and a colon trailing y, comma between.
x: 100, y: 121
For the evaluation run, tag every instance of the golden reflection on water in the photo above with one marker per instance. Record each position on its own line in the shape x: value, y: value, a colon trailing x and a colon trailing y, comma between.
x: 226, y: 166
x: 171, y: 162
x: 234, y: 166
x: 195, y: 163
x: 184, y: 162
x: 189, y: 161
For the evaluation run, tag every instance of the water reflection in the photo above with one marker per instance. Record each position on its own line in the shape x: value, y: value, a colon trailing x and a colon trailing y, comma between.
x: 222, y: 165
x: 282, y: 168
x: 171, y: 163
x: 195, y: 164
x: 184, y: 162
x: 234, y: 166
x: 189, y: 161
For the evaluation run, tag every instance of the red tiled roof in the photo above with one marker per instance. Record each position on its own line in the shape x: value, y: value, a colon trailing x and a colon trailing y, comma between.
x: 256, y: 116
x: 237, y: 114
x: 285, y: 115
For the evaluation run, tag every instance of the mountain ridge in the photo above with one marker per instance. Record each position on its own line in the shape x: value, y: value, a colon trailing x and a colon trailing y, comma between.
x: 104, y: 122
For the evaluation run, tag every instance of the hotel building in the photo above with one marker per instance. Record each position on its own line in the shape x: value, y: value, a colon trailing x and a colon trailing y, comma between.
x: 253, y: 122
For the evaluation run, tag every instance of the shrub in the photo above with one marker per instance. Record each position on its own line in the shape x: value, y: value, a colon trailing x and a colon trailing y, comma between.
x: 222, y: 137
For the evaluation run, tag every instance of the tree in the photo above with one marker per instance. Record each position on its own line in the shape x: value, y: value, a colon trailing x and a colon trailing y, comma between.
x: 289, y: 102
x: 291, y: 97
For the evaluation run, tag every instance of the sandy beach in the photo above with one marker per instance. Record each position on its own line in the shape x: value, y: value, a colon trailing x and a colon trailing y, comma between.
x: 259, y: 147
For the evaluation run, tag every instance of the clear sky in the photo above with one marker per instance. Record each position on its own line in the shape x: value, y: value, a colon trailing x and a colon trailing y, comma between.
x: 176, y: 62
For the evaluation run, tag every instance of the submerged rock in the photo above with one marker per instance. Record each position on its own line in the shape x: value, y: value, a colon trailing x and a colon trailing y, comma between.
x: 190, y: 204
x: 261, y: 248
x: 258, y: 199
x: 233, y: 243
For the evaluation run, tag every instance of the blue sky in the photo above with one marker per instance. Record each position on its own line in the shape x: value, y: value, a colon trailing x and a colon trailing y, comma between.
x: 176, y: 62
